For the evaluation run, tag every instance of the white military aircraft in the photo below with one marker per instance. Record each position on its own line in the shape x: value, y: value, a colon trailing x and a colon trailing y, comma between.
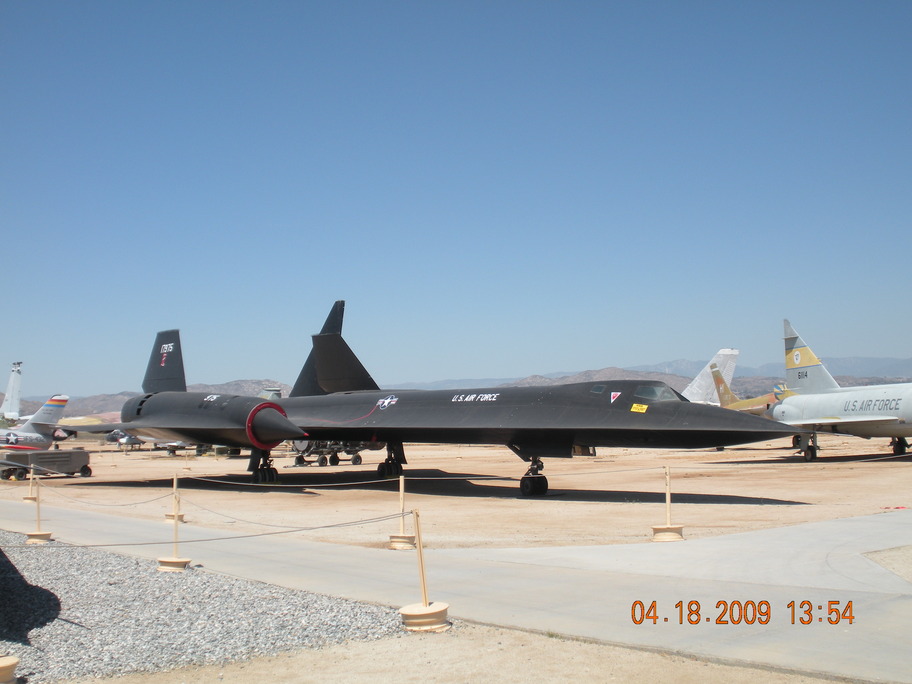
x: 819, y: 404
x: 702, y: 389
x: 38, y: 431
x: 11, y: 400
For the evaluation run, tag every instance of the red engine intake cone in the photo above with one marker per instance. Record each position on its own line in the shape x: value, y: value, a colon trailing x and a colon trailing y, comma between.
x: 267, y: 427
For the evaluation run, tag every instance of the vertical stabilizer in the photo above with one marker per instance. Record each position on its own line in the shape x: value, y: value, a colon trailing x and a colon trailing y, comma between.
x: 722, y: 388
x: 45, y: 418
x: 165, y: 372
x: 804, y: 372
x: 307, y: 384
x: 702, y: 389
x: 338, y: 369
x: 11, y: 400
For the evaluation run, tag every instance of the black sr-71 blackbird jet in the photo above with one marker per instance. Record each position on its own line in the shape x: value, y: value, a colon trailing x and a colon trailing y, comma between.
x: 335, y: 398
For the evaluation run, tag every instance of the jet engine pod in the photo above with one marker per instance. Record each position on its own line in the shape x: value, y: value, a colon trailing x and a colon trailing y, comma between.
x: 267, y: 426
x: 201, y: 418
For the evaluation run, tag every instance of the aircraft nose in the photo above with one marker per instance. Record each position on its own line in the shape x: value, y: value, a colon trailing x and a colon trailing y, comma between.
x: 733, y: 427
x: 269, y: 425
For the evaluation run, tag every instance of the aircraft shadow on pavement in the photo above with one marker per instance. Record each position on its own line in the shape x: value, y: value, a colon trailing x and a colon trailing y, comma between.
x: 433, y: 482
x: 24, y: 606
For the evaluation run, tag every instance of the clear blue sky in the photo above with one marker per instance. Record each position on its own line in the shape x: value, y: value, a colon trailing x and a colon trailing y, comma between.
x: 496, y: 188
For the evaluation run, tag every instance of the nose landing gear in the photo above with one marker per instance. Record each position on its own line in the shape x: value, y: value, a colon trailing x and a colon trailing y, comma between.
x: 533, y: 483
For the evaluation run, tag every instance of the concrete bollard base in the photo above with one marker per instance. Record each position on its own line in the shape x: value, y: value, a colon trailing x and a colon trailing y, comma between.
x: 402, y: 542
x: 418, y: 617
x: 173, y: 564
x: 8, y: 665
x: 665, y: 533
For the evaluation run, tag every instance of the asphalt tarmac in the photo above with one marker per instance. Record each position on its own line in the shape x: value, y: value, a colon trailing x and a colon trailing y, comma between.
x: 802, y: 579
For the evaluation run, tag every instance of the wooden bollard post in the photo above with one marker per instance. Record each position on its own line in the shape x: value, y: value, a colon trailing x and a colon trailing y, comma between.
x: 31, y: 494
x: 37, y: 537
x: 424, y: 616
x: 174, y: 563
x: 175, y: 513
x: 402, y: 541
x: 667, y: 532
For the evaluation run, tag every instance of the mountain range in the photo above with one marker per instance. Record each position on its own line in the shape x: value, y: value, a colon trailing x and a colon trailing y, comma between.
x: 748, y: 382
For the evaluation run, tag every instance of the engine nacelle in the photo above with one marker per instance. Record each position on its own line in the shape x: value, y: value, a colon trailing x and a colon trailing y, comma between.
x: 201, y: 418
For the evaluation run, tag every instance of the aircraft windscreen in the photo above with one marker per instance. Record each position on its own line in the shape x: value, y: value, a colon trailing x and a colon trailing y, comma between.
x: 656, y: 393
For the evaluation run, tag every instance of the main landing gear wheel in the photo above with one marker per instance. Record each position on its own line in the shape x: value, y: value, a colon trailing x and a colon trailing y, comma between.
x: 395, y: 459
x: 807, y: 443
x: 900, y: 446
x: 356, y: 460
x: 334, y: 460
x: 388, y: 469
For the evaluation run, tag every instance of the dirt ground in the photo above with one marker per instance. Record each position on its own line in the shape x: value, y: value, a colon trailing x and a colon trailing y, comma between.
x: 469, y: 497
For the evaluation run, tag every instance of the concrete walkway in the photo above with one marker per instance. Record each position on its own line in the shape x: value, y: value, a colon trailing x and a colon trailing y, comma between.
x: 589, y: 591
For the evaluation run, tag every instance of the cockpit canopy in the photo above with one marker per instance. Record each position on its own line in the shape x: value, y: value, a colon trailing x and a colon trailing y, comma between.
x: 657, y: 392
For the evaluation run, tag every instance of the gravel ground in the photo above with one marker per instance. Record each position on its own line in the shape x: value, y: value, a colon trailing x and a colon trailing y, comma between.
x: 70, y: 612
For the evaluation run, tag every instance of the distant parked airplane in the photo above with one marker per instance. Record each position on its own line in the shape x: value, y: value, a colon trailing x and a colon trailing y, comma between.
x: 38, y: 431
x: 819, y: 404
x: 11, y: 400
x: 756, y: 405
x: 702, y: 388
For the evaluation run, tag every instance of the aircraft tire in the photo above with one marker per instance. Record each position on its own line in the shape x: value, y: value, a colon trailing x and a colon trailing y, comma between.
x: 299, y: 460
x: 334, y: 460
x: 810, y: 454
x: 533, y: 485
x: 356, y: 460
x: 381, y: 469
x: 85, y: 471
x: 899, y: 447
x: 321, y: 461
x: 20, y: 474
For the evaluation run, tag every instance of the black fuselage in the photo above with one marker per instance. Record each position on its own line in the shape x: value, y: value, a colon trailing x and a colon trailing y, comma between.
x: 548, y: 420
x: 533, y: 421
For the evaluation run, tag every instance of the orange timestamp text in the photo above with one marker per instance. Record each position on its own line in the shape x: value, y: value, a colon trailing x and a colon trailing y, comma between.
x: 743, y: 613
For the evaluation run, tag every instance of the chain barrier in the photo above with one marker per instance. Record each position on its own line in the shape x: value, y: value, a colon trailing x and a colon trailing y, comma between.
x: 682, y: 470
x: 56, y: 491
x: 252, y: 535
x: 184, y: 499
